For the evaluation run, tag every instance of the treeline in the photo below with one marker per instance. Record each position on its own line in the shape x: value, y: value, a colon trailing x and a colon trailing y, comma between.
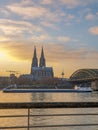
x: 43, y: 82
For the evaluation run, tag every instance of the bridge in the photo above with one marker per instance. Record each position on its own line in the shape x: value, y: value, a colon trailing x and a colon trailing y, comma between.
x: 88, y: 76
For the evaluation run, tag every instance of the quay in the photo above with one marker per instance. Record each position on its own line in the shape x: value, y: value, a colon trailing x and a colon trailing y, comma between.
x: 47, y: 105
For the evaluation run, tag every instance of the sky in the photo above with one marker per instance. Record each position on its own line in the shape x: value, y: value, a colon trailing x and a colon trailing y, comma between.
x: 67, y: 30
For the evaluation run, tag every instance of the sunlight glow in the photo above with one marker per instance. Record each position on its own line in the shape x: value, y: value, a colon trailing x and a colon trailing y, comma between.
x: 3, y: 55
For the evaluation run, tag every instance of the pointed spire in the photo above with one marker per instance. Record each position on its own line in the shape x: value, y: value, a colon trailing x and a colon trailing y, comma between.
x: 42, y: 59
x: 35, y: 60
x: 35, y: 56
x: 42, y: 53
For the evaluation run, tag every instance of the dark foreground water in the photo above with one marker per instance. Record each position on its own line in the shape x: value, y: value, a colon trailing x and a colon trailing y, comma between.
x: 50, y: 97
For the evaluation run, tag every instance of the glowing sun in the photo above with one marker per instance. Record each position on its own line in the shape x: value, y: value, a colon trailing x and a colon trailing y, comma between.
x: 3, y: 55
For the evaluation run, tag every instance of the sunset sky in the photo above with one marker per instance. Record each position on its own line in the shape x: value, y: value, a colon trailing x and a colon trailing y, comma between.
x: 67, y: 30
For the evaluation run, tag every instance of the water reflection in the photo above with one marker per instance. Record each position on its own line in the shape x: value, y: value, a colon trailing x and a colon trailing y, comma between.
x: 64, y: 97
x: 54, y: 120
x: 35, y: 97
x: 50, y: 97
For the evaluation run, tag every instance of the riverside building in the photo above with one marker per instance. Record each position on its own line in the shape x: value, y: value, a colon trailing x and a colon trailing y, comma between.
x: 40, y: 71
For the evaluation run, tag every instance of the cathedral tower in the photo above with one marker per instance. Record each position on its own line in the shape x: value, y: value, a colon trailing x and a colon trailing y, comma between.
x: 42, y: 59
x: 41, y: 71
x: 35, y: 60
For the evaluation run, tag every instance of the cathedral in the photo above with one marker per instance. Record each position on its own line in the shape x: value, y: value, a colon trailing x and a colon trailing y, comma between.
x: 40, y: 71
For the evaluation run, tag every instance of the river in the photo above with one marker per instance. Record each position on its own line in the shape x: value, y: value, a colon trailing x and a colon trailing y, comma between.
x: 50, y: 97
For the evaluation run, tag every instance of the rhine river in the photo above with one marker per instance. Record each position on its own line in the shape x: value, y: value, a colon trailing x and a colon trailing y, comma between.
x: 51, y: 97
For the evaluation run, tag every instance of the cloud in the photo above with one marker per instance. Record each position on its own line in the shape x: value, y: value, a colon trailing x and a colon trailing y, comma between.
x: 4, y: 11
x: 48, y: 24
x: 61, y: 53
x: 64, y: 39
x: 36, y: 11
x: 31, y: 11
x: 94, y: 30
x: 41, y: 38
x: 90, y: 16
x: 18, y: 29
x: 46, y: 2
x: 53, y: 52
x: 94, y: 54
x: 70, y: 16
x: 4, y: 39
x: 97, y: 13
x: 76, y: 3
x: 25, y: 2
x: 72, y: 3
x: 18, y: 50
x: 27, y: 12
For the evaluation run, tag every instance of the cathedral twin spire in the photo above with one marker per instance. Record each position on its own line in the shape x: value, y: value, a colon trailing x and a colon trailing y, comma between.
x: 42, y: 59
x: 35, y: 60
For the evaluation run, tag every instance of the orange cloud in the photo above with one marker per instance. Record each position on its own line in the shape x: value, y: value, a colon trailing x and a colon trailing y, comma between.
x: 4, y: 39
x: 27, y: 12
x: 54, y: 52
x: 90, y: 16
x: 94, y: 30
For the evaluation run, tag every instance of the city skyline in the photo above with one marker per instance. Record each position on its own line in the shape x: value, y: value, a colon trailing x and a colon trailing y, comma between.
x: 67, y: 30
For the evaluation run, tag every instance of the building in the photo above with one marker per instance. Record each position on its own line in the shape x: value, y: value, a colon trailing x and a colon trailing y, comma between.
x: 40, y: 71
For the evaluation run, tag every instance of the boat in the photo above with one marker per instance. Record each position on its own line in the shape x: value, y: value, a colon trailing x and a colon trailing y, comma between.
x: 78, y: 89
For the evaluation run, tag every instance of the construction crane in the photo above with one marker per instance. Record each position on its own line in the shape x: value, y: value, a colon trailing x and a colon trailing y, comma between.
x: 12, y: 72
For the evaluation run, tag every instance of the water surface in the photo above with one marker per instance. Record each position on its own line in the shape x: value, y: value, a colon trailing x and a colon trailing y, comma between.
x: 50, y: 97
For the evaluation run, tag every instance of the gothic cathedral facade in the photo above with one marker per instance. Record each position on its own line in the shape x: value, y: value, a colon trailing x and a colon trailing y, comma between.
x: 40, y: 71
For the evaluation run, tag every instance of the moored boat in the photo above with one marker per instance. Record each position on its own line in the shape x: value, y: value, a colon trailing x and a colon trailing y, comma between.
x: 79, y: 89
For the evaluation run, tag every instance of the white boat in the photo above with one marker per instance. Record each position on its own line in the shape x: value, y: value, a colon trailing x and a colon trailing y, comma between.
x: 86, y: 89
